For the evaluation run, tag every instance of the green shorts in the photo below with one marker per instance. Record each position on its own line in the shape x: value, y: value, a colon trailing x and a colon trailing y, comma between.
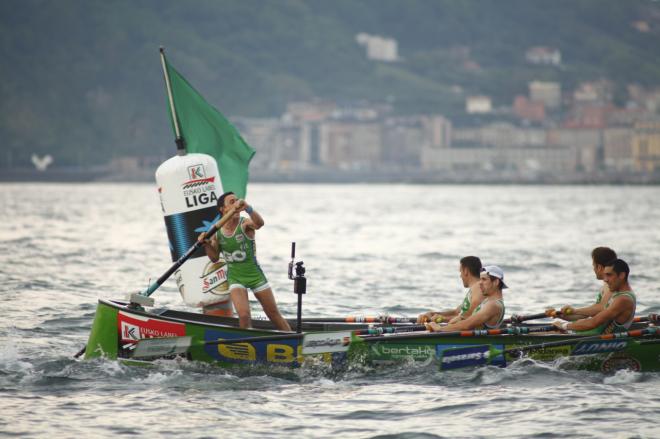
x: 251, y: 277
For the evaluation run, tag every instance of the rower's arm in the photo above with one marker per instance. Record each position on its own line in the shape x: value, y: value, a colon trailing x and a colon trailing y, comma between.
x: 210, y: 247
x: 619, y: 305
x: 591, y: 310
x: 487, y: 312
x: 431, y: 316
x: 588, y: 311
x: 255, y: 220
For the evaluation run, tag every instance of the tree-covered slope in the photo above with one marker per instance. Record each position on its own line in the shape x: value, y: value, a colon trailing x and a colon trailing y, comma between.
x: 82, y: 79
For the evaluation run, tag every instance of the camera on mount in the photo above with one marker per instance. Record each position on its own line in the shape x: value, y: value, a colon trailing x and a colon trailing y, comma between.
x: 300, y: 270
x: 299, y: 283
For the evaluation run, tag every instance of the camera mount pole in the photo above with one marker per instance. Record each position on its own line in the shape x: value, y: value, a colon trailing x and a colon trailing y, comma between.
x: 299, y: 283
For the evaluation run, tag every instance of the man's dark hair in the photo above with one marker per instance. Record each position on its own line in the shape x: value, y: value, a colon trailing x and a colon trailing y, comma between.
x: 221, y: 200
x: 619, y: 266
x: 603, y: 255
x: 473, y: 264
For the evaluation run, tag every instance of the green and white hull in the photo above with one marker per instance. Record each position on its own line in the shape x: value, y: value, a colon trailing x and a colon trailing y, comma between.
x: 118, y: 328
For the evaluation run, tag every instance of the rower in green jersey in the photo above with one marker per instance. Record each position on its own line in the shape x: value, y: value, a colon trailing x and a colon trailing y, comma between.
x: 469, y: 269
x: 236, y: 241
x: 600, y: 256
x: 619, y: 311
x: 490, y: 313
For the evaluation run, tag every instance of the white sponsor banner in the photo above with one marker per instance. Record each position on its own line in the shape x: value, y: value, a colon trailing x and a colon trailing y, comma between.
x: 188, y: 182
x: 325, y: 342
x: 202, y: 282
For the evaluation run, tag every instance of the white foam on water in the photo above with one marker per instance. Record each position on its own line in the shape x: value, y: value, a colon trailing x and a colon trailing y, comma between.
x: 10, y: 359
x: 111, y: 367
x: 325, y: 382
x: 624, y: 376
x: 159, y: 377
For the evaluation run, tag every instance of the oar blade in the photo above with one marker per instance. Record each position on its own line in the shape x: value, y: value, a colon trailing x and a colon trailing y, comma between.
x: 467, y: 356
x: 161, y: 347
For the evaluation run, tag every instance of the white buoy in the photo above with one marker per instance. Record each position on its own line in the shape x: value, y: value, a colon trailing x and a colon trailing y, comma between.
x: 189, y: 186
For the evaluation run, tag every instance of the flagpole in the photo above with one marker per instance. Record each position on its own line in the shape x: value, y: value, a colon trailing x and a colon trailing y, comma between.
x: 180, y: 143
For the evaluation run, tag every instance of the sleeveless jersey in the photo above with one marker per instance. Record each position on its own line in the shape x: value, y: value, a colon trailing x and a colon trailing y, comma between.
x: 467, y: 303
x: 614, y: 326
x: 499, y: 320
x: 240, y: 252
x: 599, y: 296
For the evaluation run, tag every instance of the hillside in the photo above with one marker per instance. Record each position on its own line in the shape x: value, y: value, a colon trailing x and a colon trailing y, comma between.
x: 81, y: 80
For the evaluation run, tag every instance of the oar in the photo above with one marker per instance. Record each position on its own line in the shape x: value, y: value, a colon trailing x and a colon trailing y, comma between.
x: 519, y: 319
x: 142, y: 297
x: 361, y: 319
x: 514, y: 319
x: 484, y: 354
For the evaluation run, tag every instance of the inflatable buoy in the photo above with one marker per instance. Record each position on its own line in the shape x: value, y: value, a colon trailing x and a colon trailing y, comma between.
x: 189, y: 186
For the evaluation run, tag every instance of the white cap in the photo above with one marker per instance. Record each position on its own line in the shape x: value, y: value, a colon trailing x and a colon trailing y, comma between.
x: 495, y: 271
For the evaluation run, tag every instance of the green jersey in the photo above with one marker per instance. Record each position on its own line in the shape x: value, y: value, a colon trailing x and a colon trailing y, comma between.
x: 599, y: 297
x: 240, y: 252
x: 467, y: 303
x: 614, y: 326
x: 499, y: 320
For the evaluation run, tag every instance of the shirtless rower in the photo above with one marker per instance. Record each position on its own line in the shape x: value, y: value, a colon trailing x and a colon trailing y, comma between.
x: 469, y: 269
x: 490, y: 312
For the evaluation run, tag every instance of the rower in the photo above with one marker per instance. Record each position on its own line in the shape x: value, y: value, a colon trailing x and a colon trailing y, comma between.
x: 469, y: 269
x: 236, y: 241
x: 489, y: 314
x: 600, y: 256
x: 619, y: 311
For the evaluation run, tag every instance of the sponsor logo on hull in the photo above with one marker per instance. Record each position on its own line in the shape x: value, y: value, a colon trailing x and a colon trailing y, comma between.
x: 599, y: 346
x: 285, y: 352
x: 326, y: 342
x: 132, y: 328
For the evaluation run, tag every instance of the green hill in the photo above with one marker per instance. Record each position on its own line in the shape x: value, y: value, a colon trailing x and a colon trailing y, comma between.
x: 81, y: 80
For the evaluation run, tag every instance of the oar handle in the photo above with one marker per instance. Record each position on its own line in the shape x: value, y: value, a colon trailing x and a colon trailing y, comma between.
x: 218, y: 224
x: 519, y: 319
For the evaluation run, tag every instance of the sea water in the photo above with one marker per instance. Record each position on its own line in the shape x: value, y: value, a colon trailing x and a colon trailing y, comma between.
x: 368, y: 250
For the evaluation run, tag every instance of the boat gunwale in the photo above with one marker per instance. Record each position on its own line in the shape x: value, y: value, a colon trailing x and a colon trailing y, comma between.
x: 120, y: 305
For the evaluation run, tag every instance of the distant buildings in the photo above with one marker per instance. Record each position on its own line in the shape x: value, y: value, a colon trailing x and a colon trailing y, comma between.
x: 543, y: 134
x: 379, y: 48
x: 543, y: 55
x: 547, y: 93
x: 646, y: 147
x: 478, y: 105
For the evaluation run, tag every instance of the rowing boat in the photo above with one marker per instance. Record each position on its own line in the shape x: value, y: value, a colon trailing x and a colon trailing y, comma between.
x: 134, y: 335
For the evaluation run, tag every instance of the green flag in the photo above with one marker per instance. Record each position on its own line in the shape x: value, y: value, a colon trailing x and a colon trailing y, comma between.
x: 205, y: 130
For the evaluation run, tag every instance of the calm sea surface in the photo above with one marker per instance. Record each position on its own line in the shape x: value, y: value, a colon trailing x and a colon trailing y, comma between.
x: 368, y: 250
